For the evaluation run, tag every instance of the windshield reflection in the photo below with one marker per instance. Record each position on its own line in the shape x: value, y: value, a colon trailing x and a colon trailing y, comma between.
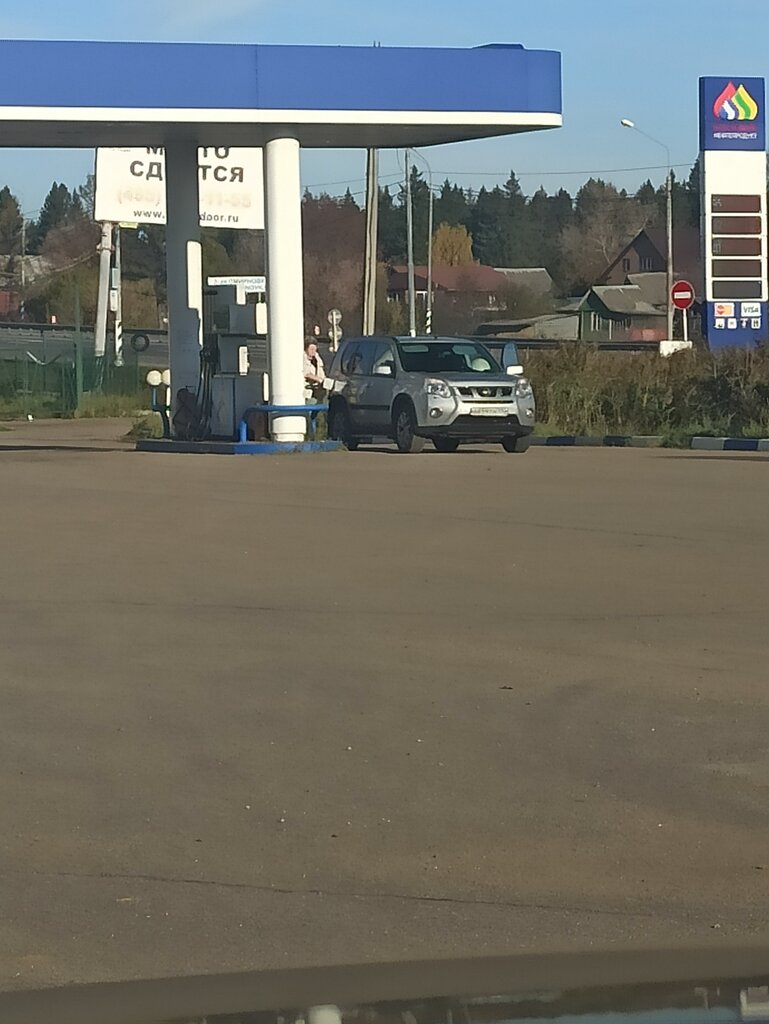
x: 719, y: 1004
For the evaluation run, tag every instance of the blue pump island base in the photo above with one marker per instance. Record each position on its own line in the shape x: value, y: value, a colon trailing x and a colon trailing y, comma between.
x: 167, y: 444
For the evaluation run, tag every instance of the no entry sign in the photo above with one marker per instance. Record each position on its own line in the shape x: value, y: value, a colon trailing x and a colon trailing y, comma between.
x: 682, y: 294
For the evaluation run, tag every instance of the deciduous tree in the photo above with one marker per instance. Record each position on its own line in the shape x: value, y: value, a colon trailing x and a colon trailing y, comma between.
x: 452, y: 245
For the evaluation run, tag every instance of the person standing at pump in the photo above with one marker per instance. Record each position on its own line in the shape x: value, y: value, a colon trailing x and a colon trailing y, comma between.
x: 314, y: 372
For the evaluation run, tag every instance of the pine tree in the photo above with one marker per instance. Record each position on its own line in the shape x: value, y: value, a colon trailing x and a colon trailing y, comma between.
x: 491, y: 227
x: 451, y: 206
x: 55, y: 211
x: 392, y: 229
x: 11, y: 223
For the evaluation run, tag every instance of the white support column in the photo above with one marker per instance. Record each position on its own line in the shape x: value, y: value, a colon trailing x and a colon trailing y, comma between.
x: 285, y: 283
x: 183, y: 266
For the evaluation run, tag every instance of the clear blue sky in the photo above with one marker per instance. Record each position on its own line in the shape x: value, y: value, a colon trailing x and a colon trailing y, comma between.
x: 621, y: 58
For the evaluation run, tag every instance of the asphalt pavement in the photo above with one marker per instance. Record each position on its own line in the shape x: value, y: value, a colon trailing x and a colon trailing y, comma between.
x: 282, y: 711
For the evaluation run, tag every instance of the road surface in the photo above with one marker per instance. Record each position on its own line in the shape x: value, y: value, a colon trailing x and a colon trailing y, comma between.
x: 314, y: 709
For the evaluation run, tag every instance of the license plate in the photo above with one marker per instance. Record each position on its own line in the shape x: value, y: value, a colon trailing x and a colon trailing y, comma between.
x: 490, y: 410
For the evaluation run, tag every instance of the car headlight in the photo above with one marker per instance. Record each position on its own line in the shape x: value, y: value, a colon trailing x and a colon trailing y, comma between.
x: 437, y: 388
x: 523, y: 388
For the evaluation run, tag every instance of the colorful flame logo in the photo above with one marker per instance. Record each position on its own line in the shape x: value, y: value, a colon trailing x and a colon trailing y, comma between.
x: 735, y: 104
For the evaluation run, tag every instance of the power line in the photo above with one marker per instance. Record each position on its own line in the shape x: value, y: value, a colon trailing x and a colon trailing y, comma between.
x: 351, y: 181
x: 539, y: 174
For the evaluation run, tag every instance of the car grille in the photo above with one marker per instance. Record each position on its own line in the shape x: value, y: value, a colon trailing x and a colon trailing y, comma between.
x: 487, y: 394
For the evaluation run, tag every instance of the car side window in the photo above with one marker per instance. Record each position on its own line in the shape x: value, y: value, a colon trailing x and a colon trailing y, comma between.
x: 510, y: 356
x: 366, y: 351
x: 351, y: 360
x: 384, y: 358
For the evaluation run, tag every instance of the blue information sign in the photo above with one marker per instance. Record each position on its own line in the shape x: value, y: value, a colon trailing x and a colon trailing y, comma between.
x: 735, y: 323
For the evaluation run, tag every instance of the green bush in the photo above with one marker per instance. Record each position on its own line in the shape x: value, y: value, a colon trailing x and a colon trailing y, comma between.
x: 580, y: 390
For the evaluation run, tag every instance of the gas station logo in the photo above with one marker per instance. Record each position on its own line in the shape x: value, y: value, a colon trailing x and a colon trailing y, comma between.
x: 735, y: 104
x: 732, y: 113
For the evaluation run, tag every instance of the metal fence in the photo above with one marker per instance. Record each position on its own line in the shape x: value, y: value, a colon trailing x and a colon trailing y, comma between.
x: 60, y: 385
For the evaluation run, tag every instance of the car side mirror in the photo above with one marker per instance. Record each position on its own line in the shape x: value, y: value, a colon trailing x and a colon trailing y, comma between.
x: 384, y: 370
x: 514, y: 371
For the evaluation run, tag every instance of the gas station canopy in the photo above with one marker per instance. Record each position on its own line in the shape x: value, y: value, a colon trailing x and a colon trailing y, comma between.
x: 182, y: 96
x: 88, y: 94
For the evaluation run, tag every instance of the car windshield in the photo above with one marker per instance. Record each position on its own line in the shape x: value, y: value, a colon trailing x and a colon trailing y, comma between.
x: 460, y: 356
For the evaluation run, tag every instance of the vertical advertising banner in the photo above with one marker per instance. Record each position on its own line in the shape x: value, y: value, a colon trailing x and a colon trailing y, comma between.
x: 734, y: 220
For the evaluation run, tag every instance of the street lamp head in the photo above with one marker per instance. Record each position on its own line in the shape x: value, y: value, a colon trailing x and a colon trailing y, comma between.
x: 627, y: 123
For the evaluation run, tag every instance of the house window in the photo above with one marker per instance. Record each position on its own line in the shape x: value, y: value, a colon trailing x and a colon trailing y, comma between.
x: 596, y: 322
x: 626, y: 265
x: 647, y: 263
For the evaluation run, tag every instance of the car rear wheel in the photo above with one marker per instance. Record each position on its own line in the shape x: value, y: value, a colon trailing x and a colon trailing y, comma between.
x: 516, y: 443
x: 446, y: 444
x: 405, y: 424
x: 339, y: 426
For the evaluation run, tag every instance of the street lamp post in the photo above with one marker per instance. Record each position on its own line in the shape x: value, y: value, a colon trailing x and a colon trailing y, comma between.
x: 410, y: 250
x: 627, y: 123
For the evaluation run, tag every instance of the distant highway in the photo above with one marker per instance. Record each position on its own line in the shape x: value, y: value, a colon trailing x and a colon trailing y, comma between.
x: 51, y: 341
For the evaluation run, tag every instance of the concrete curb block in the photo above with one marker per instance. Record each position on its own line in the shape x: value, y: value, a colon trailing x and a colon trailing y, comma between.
x: 703, y: 444
x: 607, y: 441
x: 730, y: 444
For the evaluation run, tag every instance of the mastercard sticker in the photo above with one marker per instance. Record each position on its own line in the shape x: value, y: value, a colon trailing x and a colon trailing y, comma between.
x: 724, y: 309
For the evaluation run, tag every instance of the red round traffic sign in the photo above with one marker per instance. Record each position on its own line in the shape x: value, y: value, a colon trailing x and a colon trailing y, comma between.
x: 682, y: 294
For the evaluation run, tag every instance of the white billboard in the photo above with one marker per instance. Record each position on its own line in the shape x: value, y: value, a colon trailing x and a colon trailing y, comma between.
x: 131, y: 187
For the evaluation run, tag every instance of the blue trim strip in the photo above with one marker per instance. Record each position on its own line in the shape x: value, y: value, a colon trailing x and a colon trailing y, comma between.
x: 740, y: 444
x: 212, y: 76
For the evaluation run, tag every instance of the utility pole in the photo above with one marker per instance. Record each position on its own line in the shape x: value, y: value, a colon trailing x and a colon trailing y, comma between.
x: 669, y: 225
x: 372, y: 230
x: 410, y: 247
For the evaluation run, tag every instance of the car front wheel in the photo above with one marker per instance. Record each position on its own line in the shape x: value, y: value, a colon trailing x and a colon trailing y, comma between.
x: 405, y: 430
x: 446, y: 444
x: 339, y: 427
x: 515, y: 443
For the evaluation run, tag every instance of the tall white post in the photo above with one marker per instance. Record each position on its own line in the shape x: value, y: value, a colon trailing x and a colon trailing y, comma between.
x: 285, y: 283
x: 118, y: 286
x: 102, y: 299
x: 183, y: 277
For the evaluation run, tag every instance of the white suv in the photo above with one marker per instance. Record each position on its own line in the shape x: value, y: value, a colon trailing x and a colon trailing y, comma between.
x: 410, y: 389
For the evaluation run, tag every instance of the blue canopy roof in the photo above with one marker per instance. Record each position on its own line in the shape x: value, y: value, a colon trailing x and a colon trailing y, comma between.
x: 90, y: 93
